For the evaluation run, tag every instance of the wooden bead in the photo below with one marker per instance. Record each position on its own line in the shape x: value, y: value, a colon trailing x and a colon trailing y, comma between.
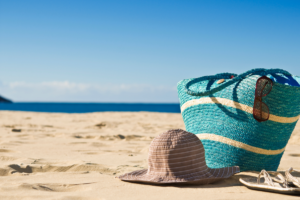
x: 220, y: 81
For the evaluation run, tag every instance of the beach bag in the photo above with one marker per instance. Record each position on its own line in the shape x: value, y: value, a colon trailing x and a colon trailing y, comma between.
x: 221, y: 111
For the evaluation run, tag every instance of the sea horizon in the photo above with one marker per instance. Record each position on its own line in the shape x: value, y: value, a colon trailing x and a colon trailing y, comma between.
x: 94, y: 102
x: 88, y: 107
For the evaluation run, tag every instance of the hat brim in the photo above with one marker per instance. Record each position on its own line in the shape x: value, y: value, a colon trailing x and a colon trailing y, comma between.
x: 211, y: 175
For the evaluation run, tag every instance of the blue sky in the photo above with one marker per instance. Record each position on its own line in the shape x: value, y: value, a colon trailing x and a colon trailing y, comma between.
x: 137, y: 51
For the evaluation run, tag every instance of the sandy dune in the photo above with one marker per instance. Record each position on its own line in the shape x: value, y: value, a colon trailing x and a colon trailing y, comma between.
x: 77, y: 156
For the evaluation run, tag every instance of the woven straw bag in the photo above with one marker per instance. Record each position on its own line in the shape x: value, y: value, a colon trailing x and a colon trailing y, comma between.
x: 220, y: 113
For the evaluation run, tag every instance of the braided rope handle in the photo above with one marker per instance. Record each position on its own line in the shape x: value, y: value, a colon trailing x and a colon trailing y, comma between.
x: 258, y: 71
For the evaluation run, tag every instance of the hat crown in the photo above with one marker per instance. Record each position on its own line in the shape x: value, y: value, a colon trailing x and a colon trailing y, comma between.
x: 176, y: 153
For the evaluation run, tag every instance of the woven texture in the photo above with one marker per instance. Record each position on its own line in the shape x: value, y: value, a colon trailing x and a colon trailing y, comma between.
x: 222, y: 117
x: 177, y: 156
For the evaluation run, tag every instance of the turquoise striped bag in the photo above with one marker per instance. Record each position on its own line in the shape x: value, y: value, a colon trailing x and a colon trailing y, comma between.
x: 219, y: 109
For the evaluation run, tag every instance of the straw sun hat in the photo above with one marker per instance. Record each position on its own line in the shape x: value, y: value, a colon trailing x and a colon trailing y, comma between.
x: 178, y: 156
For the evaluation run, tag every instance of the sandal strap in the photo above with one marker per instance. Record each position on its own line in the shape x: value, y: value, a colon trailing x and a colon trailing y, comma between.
x: 290, y: 177
x: 277, y: 175
x: 269, y: 180
x: 267, y: 177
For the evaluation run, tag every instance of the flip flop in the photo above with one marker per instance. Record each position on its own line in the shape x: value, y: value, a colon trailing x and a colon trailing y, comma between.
x: 278, y: 184
x: 292, y: 179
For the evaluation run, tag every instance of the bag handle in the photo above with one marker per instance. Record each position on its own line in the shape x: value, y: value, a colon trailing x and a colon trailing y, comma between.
x: 236, y: 78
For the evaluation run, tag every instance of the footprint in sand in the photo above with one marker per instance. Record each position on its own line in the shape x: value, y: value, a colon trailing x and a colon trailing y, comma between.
x: 98, y: 144
x: 101, y: 125
x: 29, y: 169
x: 5, y: 151
x: 108, y: 125
x: 295, y: 154
x: 78, y: 142
x: 6, y: 158
x: 56, y: 187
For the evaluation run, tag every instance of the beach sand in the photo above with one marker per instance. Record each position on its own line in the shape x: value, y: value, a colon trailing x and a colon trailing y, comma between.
x: 77, y: 156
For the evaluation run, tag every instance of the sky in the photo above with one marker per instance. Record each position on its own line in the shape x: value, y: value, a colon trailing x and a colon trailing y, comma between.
x: 138, y: 50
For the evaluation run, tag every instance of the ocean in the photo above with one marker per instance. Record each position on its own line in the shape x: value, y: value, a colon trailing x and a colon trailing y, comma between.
x: 91, y: 107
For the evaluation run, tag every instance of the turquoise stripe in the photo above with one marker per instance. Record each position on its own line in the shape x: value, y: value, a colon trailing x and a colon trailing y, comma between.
x: 218, y: 155
x: 236, y: 125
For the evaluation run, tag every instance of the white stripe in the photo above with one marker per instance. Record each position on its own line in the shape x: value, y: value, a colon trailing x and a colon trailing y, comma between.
x: 171, y: 168
x: 234, y: 104
x: 182, y: 171
x: 168, y: 166
x: 218, y: 138
x: 180, y: 157
x: 200, y: 147
x: 199, y: 158
x: 168, y: 154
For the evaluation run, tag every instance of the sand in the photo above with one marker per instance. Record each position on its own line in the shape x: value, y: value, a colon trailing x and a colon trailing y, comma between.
x: 77, y: 156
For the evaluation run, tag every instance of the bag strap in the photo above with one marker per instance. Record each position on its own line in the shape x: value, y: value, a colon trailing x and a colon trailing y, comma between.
x: 258, y: 71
